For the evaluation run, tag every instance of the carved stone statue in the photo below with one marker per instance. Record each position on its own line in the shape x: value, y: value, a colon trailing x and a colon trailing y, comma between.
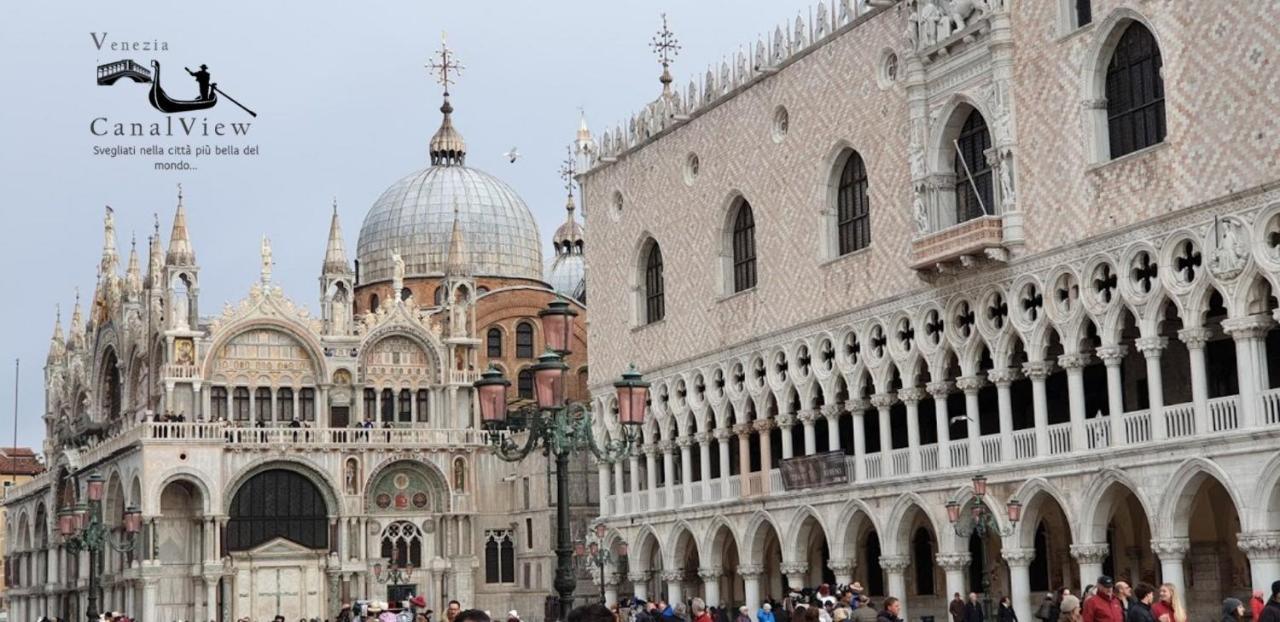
x: 741, y: 66
x: 1007, y: 197
x: 1230, y: 252
x: 820, y: 29
x: 920, y: 214
x: 961, y: 10
x: 848, y: 11
x: 799, y: 41
x: 762, y: 58
x: 397, y: 274
x: 266, y: 259
x: 929, y: 17
x: 724, y: 82
x: 779, y: 45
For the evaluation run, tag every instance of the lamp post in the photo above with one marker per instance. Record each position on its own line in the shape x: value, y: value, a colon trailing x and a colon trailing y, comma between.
x: 560, y: 428
x: 83, y: 529
x: 982, y: 524
x: 593, y: 552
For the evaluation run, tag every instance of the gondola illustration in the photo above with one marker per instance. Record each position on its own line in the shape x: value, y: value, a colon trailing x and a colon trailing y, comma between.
x: 162, y: 102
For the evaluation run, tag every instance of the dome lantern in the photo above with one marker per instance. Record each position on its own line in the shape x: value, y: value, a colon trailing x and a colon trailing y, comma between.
x: 447, y: 148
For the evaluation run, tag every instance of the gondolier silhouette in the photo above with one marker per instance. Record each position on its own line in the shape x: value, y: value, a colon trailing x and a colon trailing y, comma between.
x: 202, y: 77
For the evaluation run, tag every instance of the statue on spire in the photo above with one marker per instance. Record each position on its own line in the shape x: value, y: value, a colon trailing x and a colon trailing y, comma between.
x: 266, y: 260
x: 397, y: 273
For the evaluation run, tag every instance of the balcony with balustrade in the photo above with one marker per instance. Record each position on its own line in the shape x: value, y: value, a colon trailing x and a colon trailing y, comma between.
x: 1147, y: 429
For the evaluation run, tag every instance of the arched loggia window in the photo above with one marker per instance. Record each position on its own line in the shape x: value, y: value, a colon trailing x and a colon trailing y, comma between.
x: 1135, y: 92
x: 973, y: 172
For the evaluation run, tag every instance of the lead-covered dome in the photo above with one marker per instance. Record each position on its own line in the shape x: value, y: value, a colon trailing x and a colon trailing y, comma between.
x: 414, y: 218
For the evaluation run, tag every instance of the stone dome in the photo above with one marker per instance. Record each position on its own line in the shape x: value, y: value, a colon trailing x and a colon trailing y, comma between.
x: 566, y: 272
x: 414, y: 217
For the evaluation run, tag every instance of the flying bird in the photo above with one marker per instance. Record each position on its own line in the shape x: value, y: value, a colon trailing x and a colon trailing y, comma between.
x: 512, y: 155
x: 959, y: 418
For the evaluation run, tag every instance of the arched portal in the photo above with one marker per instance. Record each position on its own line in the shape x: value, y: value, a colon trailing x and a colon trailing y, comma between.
x: 1119, y: 519
x: 812, y: 549
x: 731, y: 587
x: 1205, y: 513
x: 178, y: 541
x: 278, y: 503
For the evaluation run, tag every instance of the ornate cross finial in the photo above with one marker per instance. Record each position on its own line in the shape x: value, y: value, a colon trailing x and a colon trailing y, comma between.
x: 447, y: 65
x: 568, y: 169
x: 666, y: 47
x: 179, y: 193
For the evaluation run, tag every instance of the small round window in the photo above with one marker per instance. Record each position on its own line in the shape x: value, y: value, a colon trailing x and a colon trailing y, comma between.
x: 781, y: 123
x: 616, y: 212
x: 691, y: 168
x: 890, y: 69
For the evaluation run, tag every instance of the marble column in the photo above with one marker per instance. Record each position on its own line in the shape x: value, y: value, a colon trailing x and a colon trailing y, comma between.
x: 796, y: 573
x: 675, y: 589
x: 843, y: 569
x: 1152, y: 348
x: 785, y: 422
x: 602, y: 484
x: 639, y: 584
x: 970, y: 386
x: 751, y: 574
x: 618, y: 489
x: 704, y: 463
x: 762, y: 427
x: 1019, y: 561
x: 806, y: 418
x: 1248, y: 333
x: 942, y: 420
x: 743, y: 431
x: 668, y: 449
x: 1089, y: 557
x: 710, y: 576
x: 1112, y: 357
x: 150, y: 587
x: 651, y: 473
x: 831, y: 412
x: 1003, y: 378
x: 686, y: 461
x: 1263, y: 550
x: 722, y: 436
x: 1195, y: 340
x: 882, y: 403
x: 857, y: 408
x: 1074, y: 364
x: 633, y: 461
x: 1172, y: 552
x: 895, y: 567
x: 1037, y: 372
x: 910, y: 398
x: 955, y: 565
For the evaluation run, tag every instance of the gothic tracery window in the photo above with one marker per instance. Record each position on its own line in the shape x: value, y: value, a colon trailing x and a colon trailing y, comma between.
x: 654, y: 303
x: 499, y: 556
x: 853, y: 211
x: 744, y: 248
x: 402, y: 544
x: 1135, y: 93
x: 973, y: 173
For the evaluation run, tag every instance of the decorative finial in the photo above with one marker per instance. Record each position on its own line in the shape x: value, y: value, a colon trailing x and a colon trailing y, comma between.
x: 568, y: 168
x: 179, y: 194
x: 335, y: 205
x: 447, y: 147
x: 156, y: 216
x: 667, y: 47
x: 266, y: 259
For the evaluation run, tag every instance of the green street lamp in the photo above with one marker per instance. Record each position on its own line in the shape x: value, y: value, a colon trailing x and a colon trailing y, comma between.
x: 83, y: 529
x: 557, y: 426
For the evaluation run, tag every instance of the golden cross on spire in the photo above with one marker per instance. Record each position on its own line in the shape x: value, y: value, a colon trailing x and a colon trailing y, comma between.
x: 448, y: 64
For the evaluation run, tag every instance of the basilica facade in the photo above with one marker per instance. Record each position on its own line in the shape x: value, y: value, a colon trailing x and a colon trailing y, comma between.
x: 893, y: 246
x: 285, y: 462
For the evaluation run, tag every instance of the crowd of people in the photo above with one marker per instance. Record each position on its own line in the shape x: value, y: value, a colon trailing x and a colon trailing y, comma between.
x: 1106, y: 600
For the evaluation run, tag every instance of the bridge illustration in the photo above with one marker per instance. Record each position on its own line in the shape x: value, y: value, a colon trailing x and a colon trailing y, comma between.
x: 109, y: 73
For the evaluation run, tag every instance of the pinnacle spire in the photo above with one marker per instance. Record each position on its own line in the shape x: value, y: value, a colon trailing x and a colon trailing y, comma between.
x: 335, y: 253
x: 133, y: 274
x: 447, y: 148
x: 56, y: 344
x: 155, y: 258
x: 457, y: 264
x: 110, y: 259
x: 180, y: 251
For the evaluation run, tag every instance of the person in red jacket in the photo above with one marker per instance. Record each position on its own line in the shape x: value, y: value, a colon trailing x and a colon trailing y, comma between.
x: 1256, y: 604
x: 1103, y: 606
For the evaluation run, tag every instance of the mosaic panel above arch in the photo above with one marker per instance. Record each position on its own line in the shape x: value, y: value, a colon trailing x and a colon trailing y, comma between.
x: 406, y: 487
x: 398, y: 360
x: 264, y: 352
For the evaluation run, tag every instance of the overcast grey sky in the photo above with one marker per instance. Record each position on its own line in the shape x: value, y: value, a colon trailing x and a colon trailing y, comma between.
x: 345, y: 109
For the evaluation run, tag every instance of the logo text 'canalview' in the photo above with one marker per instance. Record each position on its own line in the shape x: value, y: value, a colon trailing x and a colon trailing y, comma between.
x: 185, y: 126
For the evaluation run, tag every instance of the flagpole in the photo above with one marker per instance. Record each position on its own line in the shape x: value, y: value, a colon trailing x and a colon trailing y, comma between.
x: 969, y: 174
x: 17, y: 370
